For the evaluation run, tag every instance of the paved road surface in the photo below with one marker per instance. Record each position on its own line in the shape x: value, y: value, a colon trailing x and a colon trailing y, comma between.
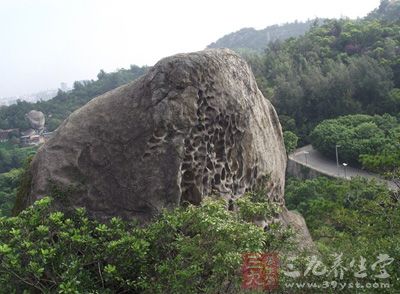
x: 311, y: 158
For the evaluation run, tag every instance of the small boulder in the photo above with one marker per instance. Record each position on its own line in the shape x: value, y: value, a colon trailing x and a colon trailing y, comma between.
x: 36, y: 119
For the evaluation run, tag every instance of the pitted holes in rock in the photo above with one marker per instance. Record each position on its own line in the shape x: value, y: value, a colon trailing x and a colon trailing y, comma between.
x: 212, y: 156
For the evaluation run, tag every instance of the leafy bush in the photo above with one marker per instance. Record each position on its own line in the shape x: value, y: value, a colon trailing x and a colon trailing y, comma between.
x: 9, y: 183
x: 356, y: 218
x: 12, y: 182
x: 187, y: 250
x: 291, y: 140
x: 12, y: 156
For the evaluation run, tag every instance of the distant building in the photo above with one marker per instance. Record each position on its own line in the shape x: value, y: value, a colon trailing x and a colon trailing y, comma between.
x: 28, y: 133
x: 33, y: 140
x: 24, y: 140
x: 47, y: 135
x: 3, y: 137
x: 30, y: 138
x: 33, y: 97
x: 33, y: 137
x: 36, y: 140
x: 6, y: 134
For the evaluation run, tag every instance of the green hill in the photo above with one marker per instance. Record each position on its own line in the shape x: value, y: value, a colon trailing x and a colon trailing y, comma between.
x: 341, y: 67
x: 257, y: 40
x: 388, y: 10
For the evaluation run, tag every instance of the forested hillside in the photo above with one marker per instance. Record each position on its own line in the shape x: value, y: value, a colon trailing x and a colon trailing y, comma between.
x: 388, y: 11
x: 357, y: 218
x: 359, y: 136
x: 341, y: 67
x: 58, y: 108
x: 258, y: 40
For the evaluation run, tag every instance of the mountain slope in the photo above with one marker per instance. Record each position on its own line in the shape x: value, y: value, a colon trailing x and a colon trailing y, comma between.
x: 257, y: 40
x: 388, y: 10
x: 342, y: 67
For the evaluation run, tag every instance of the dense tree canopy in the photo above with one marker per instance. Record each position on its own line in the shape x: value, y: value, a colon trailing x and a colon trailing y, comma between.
x: 355, y: 218
x: 341, y: 67
x: 357, y: 135
x: 9, y: 183
x: 290, y: 140
x: 11, y: 156
x: 388, y: 10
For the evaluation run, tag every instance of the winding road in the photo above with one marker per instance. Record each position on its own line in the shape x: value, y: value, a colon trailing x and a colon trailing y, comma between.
x: 313, y: 159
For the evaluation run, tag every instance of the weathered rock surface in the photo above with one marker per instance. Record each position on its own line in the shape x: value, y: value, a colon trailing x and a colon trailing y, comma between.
x: 302, y: 236
x: 36, y: 119
x: 195, y: 125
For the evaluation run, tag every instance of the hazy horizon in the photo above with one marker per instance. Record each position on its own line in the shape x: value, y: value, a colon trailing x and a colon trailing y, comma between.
x: 48, y: 42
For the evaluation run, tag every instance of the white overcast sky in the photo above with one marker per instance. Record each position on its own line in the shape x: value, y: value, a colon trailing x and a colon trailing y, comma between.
x: 46, y: 42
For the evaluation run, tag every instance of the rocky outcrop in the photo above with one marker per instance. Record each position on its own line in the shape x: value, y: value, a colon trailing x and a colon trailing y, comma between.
x: 36, y: 119
x: 195, y: 125
x: 302, y: 236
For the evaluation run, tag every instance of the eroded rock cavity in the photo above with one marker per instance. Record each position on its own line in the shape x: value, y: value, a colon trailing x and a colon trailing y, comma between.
x: 213, y: 161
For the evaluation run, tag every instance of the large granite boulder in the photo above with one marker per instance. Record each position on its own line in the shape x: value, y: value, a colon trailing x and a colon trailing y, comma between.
x: 195, y: 125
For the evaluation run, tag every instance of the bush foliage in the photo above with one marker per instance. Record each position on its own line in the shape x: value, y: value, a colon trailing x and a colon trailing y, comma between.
x: 187, y: 250
x: 356, y: 218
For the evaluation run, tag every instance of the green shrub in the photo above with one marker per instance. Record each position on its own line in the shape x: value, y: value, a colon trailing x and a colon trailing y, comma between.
x: 291, y: 140
x: 356, y: 218
x: 197, y: 249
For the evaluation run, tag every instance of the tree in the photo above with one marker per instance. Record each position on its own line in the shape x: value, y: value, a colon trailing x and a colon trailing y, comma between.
x: 338, y: 68
x: 355, y: 218
x: 291, y: 140
x: 356, y: 134
x: 101, y: 75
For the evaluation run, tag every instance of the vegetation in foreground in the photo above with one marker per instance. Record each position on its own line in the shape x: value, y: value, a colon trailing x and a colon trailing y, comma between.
x: 357, y: 218
x: 187, y: 250
x: 199, y: 249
